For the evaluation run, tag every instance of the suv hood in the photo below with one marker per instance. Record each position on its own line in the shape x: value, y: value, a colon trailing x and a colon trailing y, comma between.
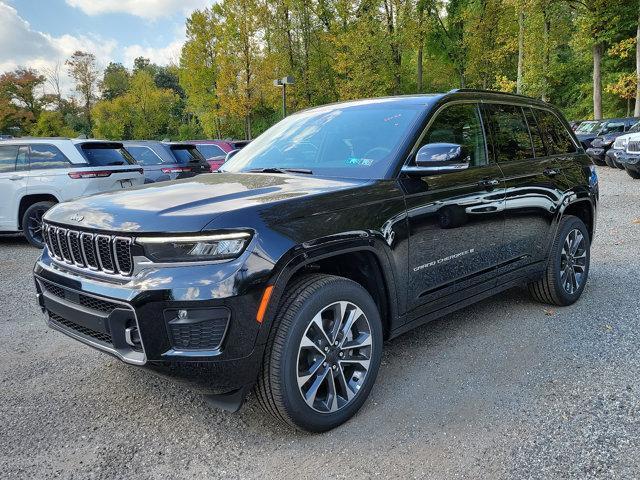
x: 189, y: 205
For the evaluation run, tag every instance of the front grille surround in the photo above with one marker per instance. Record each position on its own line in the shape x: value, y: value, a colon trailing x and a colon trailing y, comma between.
x: 633, y: 146
x: 110, y: 254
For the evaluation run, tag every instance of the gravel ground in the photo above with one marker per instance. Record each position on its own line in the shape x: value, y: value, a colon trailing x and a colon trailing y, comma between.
x: 504, y: 389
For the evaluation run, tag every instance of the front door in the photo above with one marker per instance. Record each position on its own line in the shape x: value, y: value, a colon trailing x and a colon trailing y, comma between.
x: 455, y: 219
x: 14, y: 160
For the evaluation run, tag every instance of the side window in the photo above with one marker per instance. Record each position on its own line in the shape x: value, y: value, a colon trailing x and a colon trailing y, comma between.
x: 22, y: 161
x: 8, y: 154
x: 556, y: 136
x: 460, y: 124
x: 510, y: 133
x: 144, y: 155
x: 539, y: 148
x: 47, y: 156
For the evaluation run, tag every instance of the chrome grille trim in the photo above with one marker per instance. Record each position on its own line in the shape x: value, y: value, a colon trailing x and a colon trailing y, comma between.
x: 96, y: 252
x: 633, y: 146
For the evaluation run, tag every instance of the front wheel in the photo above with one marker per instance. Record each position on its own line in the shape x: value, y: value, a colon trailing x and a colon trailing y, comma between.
x: 568, y: 266
x: 323, y: 355
x: 32, y: 223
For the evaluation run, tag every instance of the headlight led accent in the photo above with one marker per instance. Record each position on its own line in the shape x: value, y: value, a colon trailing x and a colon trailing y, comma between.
x: 194, y: 248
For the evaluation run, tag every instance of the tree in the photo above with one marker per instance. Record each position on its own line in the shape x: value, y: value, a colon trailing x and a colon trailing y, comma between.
x: 115, y: 81
x: 83, y: 70
x: 51, y: 124
x: 20, y: 86
x: 637, y: 107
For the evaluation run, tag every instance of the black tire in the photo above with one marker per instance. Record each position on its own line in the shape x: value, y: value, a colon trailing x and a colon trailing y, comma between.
x: 277, y: 390
x: 597, y: 161
x: 551, y: 288
x: 32, y: 223
x: 619, y: 165
x: 633, y: 173
x: 609, y: 161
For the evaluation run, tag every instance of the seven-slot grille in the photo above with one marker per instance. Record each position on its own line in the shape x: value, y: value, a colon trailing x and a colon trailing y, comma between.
x: 98, y: 252
x: 633, y: 146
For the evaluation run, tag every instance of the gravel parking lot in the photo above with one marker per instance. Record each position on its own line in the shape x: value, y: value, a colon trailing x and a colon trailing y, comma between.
x: 504, y: 389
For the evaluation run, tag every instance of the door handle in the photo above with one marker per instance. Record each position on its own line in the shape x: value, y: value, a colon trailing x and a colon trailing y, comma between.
x: 550, y: 172
x: 489, y: 184
x: 16, y: 177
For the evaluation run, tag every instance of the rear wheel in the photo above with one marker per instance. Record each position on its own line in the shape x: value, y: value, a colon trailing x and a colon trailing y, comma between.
x: 32, y: 223
x: 633, y: 173
x: 323, y: 354
x: 568, y: 267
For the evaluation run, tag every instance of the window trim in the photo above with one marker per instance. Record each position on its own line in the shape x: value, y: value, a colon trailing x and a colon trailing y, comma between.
x: 446, y: 104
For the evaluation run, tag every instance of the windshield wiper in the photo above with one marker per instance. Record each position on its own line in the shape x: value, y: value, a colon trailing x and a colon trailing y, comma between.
x: 281, y: 170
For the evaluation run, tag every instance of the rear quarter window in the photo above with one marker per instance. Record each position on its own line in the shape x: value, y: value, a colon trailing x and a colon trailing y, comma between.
x: 47, y: 156
x: 105, y: 154
x: 556, y: 136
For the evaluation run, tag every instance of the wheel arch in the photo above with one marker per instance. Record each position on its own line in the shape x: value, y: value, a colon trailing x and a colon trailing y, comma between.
x: 363, y: 261
x: 585, y: 211
x: 27, y: 200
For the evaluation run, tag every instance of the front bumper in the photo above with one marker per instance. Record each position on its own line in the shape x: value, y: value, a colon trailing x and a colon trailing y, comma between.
x: 596, y: 154
x: 630, y: 159
x: 137, y: 322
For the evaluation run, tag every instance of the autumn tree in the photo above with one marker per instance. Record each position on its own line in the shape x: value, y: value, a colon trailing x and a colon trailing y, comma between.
x: 82, y: 68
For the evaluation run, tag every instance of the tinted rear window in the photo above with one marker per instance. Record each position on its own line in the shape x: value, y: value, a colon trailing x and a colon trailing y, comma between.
x: 144, y: 155
x: 186, y: 154
x: 105, y: 154
x: 210, y: 151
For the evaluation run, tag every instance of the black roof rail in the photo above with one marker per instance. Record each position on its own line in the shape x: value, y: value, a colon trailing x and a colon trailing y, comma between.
x: 479, y: 90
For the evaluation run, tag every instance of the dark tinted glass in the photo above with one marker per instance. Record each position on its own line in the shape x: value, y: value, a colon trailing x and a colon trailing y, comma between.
x: 210, y: 151
x: 144, y: 155
x: 47, y: 156
x: 105, y: 154
x: 186, y: 154
x: 22, y: 161
x: 536, y: 135
x: 556, y: 136
x: 8, y: 154
x: 459, y: 124
x: 510, y: 133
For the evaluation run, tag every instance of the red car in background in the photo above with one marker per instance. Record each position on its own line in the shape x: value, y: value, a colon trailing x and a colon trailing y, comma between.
x: 215, y: 151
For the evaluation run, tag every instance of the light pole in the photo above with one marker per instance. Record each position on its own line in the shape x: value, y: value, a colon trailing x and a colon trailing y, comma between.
x: 283, y: 82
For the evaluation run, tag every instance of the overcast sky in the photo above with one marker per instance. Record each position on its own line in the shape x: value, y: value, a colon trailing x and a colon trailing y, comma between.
x: 38, y: 33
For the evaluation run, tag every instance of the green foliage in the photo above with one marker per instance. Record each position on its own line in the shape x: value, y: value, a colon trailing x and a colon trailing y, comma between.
x: 115, y: 81
x: 52, y: 124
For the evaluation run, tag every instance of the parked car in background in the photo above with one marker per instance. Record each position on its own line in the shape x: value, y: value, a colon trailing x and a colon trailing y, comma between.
x: 574, y: 124
x: 602, y: 144
x: 167, y: 160
x: 215, y: 151
x: 630, y: 156
x: 35, y: 174
x: 588, y: 131
x: 338, y: 228
x: 6, y: 137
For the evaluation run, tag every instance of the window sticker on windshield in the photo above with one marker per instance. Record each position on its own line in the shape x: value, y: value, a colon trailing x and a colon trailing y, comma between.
x: 357, y: 162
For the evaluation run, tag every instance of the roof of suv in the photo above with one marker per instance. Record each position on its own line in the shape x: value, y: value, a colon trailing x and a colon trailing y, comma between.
x: 55, y: 140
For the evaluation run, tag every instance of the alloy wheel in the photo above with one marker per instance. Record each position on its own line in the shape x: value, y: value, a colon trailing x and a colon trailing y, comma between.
x: 34, y: 224
x: 573, y: 261
x: 334, y: 357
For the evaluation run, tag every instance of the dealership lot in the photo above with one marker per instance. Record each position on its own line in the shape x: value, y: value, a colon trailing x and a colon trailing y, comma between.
x: 506, y: 388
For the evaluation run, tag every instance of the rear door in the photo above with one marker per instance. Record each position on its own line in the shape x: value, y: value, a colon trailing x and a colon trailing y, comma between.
x: 13, y: 183
x: 534, y: 186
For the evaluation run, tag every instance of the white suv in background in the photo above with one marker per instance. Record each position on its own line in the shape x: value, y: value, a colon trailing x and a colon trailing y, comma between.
x: 36, y: 173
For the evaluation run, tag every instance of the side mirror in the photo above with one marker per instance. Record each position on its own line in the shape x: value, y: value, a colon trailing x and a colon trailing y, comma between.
x: 436, y: 158
x: 231, y: 154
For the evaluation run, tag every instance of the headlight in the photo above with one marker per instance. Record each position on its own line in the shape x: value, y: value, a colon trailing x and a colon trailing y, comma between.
x: 194, y: 248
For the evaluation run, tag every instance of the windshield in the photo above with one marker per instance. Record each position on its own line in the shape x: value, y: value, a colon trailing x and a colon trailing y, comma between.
x: 344, y: 140
x: 635, y: 128
x: 589, y: 127
x: 610, y: 127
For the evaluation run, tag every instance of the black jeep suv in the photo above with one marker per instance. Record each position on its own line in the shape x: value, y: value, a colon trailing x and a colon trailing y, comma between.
x: 339, y: 227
